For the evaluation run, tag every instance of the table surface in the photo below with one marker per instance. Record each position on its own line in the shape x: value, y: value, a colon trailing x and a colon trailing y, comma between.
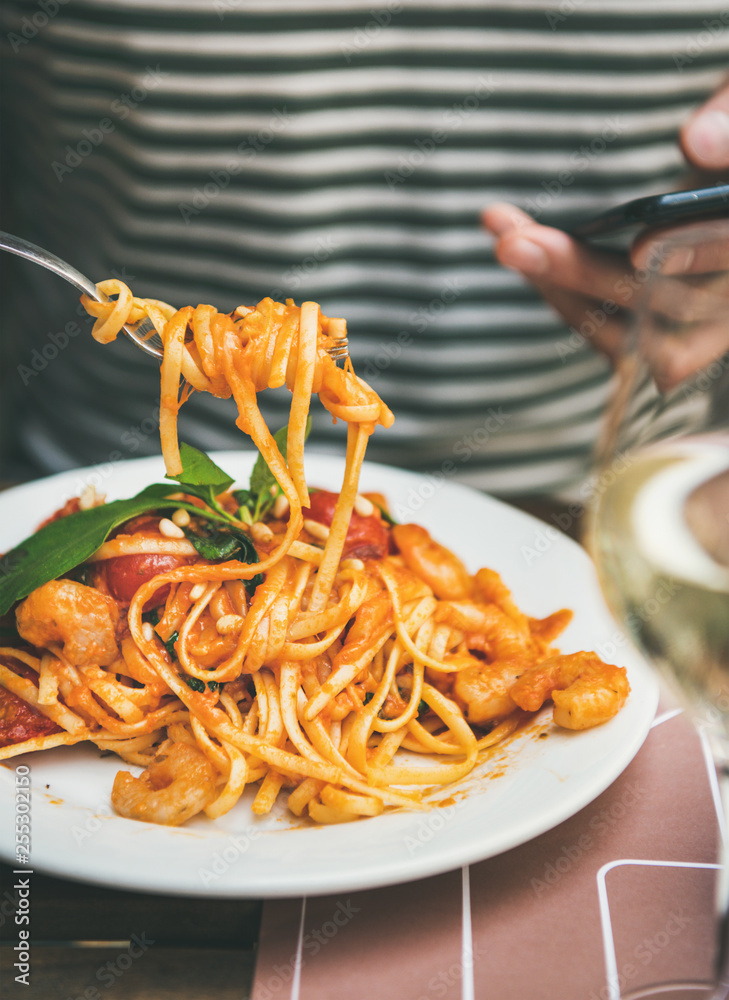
x: 501, y: 928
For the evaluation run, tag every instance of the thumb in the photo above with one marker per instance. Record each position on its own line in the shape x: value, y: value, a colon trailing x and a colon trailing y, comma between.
x: 705, y: 136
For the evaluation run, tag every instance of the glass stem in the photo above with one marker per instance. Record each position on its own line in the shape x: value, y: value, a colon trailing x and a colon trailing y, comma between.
x: 721, y: 991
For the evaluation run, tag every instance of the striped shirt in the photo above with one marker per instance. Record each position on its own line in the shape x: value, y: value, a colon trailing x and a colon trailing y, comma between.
x: 340, y: 151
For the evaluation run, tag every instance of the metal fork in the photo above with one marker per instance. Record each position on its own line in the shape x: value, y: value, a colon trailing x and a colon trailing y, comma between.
x: 152, y: 345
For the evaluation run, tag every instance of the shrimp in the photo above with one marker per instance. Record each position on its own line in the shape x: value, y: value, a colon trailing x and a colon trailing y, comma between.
x: 444, y: 573
x: 483, y: 692
x: 81, y: 618
x: 493, y: 590
x: 586, y: 692
x: 175, y: 786
x: 488, y: 628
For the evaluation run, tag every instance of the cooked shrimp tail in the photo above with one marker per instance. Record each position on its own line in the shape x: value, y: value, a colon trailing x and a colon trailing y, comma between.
x: 586, y: 692
x: 176, y: 785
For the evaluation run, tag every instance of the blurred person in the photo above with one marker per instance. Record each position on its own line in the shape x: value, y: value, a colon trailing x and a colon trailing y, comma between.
x: 344, y: 152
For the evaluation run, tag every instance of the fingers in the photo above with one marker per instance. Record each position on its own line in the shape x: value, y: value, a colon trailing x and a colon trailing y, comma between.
x: 673, y: 357
x: 684, y: 302
x: 705, y: 136
x: 587, y: 287
x: 547, y: 255
x: 701, y: 248
x: 588, y: 320
x: 502, y: 217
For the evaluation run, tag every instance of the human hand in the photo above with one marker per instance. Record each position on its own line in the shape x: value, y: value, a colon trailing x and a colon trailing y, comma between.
x: 596, y: 290
x: 683, y: 325
x: 591, y: 289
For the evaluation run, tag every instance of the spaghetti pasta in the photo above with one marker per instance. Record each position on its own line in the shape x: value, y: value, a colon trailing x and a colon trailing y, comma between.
x: 297, y: 640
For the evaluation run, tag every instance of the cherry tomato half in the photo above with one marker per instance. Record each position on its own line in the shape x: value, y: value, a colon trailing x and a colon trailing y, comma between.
x: 126, y: 574
x: 367, y: 537
x: 20, y: 721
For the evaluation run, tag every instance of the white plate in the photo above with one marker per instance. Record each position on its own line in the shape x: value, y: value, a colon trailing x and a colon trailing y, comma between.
x: 525, y: 788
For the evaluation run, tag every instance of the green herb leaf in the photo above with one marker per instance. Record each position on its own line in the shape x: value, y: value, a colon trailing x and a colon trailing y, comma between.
x: 170, y: 644
x: 263, y: 486
x: 201, y: 477
x: 64, y: 544
x: 262, y: 479
x: 198, y: 469
x: 221, y: 544
x: 80, y: 574
x: 197, y: 685
x: 246, y: 504
x: 386, y: 517
x: 214, y: 545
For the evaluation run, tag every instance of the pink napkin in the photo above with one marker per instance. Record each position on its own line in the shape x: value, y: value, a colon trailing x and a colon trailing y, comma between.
x: 618, y: 897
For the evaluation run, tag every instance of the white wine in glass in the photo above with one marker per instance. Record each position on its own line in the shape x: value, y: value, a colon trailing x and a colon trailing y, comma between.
x: 659, y: 532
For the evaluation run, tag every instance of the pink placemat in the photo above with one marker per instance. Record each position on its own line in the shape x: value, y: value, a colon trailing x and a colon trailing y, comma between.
x: 618, y: 897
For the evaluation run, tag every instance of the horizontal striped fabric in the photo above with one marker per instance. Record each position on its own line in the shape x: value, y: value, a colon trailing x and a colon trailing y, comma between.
x: 223, y: 150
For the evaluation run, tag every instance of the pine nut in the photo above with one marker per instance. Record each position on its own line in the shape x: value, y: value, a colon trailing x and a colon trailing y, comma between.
x: 170, y: 530
x: 197, y: 591
x: 316, y: 530
x: 261, y: 532
x: 281, y: 507
x: 147, y: 631
x: 228, y: 624
x: 87, y: 500
x: 181, y: 518
x: 363, y: 506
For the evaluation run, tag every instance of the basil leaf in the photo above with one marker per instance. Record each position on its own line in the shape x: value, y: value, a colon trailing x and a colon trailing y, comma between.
x: 80, y: 574
x: 201, y: 477
x: 263, y: 486
x: 214, y: 546
x: 222, y: 544
x: 262, y: 479
x: 153, y: 618
x: 170, y: 644
x: 246, y: 505
x: 197, y: 685
x: 387, y: 518
x: 198, y: 469
x: 64, y: 544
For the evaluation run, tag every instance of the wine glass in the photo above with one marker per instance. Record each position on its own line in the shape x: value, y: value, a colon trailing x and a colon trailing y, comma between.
x: 659, y: 533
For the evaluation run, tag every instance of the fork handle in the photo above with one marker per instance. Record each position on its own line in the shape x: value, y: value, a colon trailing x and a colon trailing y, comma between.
x: 13, y: 244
